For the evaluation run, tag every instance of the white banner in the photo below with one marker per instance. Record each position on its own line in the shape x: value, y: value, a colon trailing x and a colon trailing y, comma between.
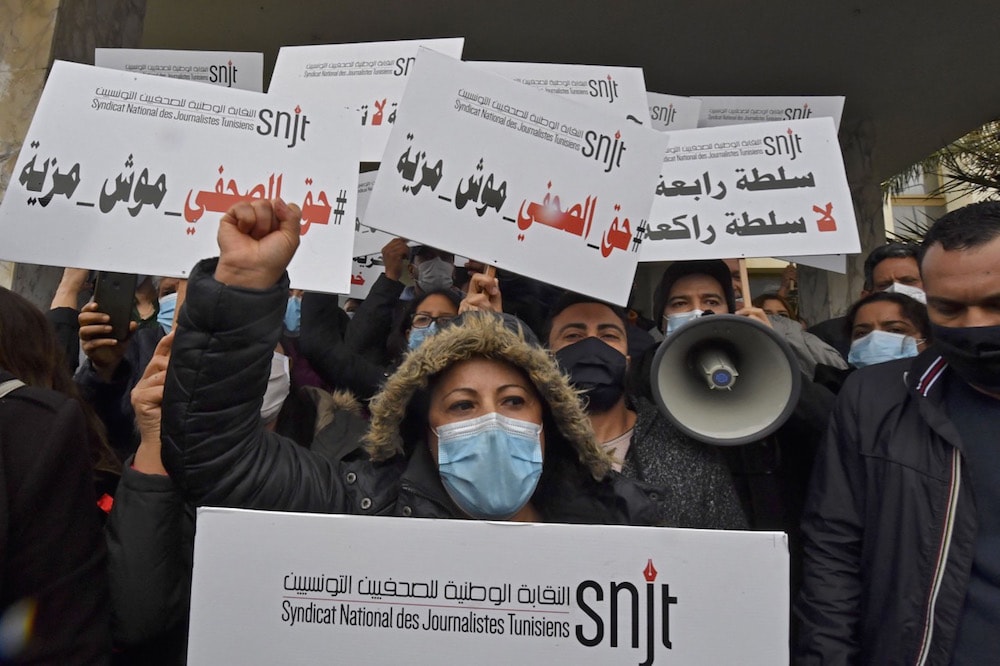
x: 131, y: 173
x: 367, y: 240
x: 836, y: 263
x: 484, y: 167
x: 230, y: 69
x: 285, y: 588
x: 620, y: 91
x: 760, y: 190
x: 368, y: 79
x: 671, y: 112
x: 719, y: 111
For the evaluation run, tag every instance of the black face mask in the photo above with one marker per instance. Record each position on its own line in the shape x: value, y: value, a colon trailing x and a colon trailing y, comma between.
x: 973, y: 352
x: 597, y: 368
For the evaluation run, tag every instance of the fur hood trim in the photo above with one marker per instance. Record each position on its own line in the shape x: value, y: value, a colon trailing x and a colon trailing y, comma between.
x: 485, y: 335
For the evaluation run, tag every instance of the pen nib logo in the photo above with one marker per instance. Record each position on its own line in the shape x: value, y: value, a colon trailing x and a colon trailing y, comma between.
x: 650, y: 572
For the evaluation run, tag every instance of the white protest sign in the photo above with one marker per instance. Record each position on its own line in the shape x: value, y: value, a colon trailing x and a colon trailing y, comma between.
x: 672, y: 112
x: 719, y: 111
x: 230, y: 69
x: 131, y: 173
x: 368, y: 243
x: 308, y: 586
x: 367, y: 240
x: 836, y: 263
x: 761, y: 190
x: 364, y: 272
x: 527, y: 181
x: 367, y: 78
x: 617, y: 90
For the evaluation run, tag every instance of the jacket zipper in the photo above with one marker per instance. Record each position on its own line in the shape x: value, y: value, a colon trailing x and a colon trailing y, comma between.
x: 949, y: 525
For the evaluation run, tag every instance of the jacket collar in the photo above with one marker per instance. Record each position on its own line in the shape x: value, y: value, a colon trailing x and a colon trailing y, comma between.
x: 926, y: 374
x: 926, y: 380
x: 422, y: 478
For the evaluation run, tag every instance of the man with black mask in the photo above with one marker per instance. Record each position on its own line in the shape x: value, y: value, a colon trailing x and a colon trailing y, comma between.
x: 688, y: 480
x: 903, y: 520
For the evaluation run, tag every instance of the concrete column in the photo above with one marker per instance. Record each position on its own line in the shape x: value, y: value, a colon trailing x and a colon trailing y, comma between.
x: 35, y: 33
x: 823, y: 294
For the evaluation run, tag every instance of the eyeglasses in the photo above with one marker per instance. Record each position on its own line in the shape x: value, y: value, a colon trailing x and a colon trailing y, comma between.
x: 421, y: 320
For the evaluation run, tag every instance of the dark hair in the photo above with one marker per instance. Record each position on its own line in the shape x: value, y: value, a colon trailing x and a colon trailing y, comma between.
x: 397, y: 343
x: 913, y: 311
x: 29, y: 350
x: 713, y: 268
x: 968, y: 227
x: 570, y: 298
x: 883, y: 252
x: 427, y: 252
x: 758, y: 301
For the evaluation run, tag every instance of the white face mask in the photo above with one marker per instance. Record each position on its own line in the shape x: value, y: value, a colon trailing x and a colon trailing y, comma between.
x: 278, y: 384
x: 674, y: 321
x: 915, y: 293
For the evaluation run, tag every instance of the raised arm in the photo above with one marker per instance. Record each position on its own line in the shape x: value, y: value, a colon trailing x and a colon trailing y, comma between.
x: 214, y: 447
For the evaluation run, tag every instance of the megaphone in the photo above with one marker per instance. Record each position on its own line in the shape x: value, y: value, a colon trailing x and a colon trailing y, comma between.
x: 725, y: 379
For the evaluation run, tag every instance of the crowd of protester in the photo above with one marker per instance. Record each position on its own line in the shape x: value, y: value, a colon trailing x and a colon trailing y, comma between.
x: 450, y: 392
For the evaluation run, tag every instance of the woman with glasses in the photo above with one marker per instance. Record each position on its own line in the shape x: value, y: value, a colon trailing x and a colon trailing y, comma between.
x: 422, y: 317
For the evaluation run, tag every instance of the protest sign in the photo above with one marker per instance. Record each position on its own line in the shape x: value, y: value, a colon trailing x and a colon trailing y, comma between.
x: 760, y: 190
x: 510, y: 176
x: 131, y: 173
x: 230, y: 69
x: 719, y: 111
x: 368, y: 243
x: 617, y: 90
x: 364, y: 271
x: 835, y: 263
x: 368, y: 79
x: 367, y: 240
x: 671, y: 112
x: 292, y: 588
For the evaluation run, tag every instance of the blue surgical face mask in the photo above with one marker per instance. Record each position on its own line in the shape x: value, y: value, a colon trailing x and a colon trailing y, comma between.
x: 165, y: 317
x: 678, y: 319
x: 418, y: 335
x: 293, y: 314
x: 490, y: 465
x: 879, y: 347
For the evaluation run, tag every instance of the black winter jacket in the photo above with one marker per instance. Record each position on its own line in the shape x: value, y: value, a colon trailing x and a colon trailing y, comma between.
x: 890, y: 523
x: 52, y: 555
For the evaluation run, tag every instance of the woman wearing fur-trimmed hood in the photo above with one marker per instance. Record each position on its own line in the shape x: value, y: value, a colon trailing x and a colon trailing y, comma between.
x: 443, y: 385
x: 476, y: 422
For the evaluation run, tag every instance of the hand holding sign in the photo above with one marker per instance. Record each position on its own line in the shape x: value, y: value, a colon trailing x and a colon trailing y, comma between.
x: 484, y: 294
x: 257, y: 240
x: 393, y: 254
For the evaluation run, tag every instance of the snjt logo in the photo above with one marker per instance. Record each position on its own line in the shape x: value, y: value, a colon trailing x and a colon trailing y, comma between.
x: 603, y: 603
x: 290, y: 127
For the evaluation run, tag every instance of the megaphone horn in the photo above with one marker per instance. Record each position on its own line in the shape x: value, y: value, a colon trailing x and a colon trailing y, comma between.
x: 726, y: 380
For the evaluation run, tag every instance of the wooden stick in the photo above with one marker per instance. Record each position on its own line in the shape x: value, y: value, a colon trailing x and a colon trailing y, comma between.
x: 745, y: 283
x: 182, y: 288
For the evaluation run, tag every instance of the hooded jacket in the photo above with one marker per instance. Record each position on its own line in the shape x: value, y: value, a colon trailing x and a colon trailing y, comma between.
x: 890, y: 523
x: 215, y: 450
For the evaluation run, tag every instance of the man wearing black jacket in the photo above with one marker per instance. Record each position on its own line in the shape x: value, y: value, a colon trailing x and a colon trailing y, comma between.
x: 903, y: 520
